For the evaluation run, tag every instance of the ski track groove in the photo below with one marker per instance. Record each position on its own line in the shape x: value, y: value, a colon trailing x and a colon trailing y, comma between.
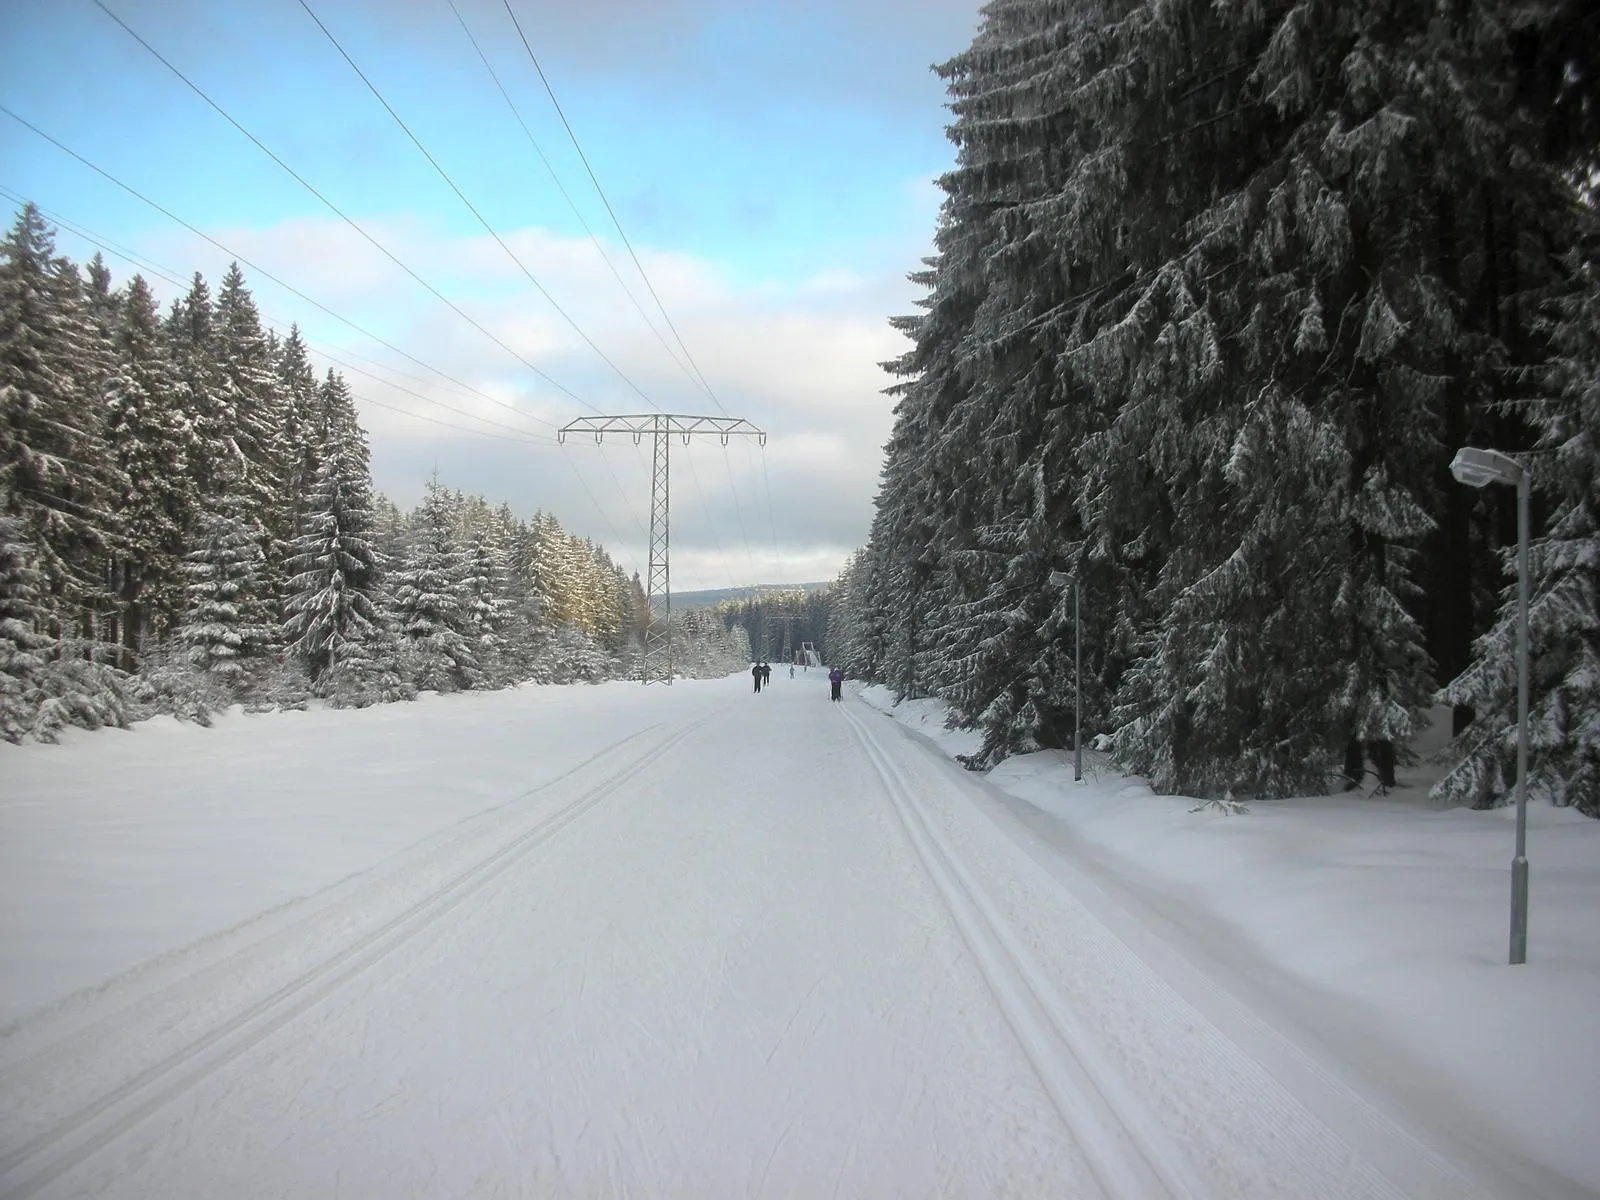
x: 75, y: 1139
x: 1128, y: 1151
x: 1227, y: 1084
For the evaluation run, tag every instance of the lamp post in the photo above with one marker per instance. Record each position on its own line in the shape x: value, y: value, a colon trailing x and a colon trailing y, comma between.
x: 1479, y: 468
x: 1061, y: 579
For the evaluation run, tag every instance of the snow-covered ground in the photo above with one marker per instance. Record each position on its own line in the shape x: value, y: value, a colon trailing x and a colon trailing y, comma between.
x: 1373, y: 929
x: 694, y: 942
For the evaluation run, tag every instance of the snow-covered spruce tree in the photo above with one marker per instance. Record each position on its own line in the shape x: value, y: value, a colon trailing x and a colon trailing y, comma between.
x: 304, y: 424
x: 429, y: 613
x: 1555, y: 107
x: 612, y: 604
x: 147, y: 435
x: 483, y: 590
x: 258, y: 414
x: 332, y: 612
x: 627, y: 641
x: 229, y: 632
x: 528, y: 631
x: 24, y: 652
x: 702, y: 647
x: 192, y: 348
x: 573, y: 657
x: 1208, y: 217
x: 1564, y: 607
x: 845, y: 617
x: 53, y: 469
x: 556, y: 570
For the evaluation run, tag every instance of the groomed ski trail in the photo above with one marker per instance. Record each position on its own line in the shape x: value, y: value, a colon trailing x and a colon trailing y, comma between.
x: 767, y: 945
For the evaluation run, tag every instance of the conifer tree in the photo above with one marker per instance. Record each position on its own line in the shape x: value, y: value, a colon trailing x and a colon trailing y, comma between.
x: 483, y: 591
x: 24, y: 653
x: 1564, y: 608
x: 332, y: 609
x: 304, y: 425
x: 229, y: 632
x: 53, y: 471
x: 147, y: 435
x: 1219, y: 289
x: 528, y: 631
x: 192, y: 345
x: 429, y: 612
x: 257, y: 412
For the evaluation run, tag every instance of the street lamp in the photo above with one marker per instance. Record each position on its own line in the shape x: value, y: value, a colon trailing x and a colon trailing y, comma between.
x: 1479, y: 468
x: 1061, y: 579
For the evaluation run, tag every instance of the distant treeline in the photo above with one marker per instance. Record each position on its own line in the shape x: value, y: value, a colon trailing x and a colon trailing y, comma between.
x: 187, y: 521
x: 777, y: 617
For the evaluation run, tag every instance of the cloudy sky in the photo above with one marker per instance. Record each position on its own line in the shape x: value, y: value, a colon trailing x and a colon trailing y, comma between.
x: 771, y: 162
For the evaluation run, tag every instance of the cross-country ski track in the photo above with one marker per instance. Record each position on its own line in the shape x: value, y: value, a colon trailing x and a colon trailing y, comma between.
x: 750, y: 946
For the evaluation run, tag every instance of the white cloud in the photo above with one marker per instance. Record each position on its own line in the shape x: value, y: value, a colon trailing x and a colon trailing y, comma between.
x: 799, y: 360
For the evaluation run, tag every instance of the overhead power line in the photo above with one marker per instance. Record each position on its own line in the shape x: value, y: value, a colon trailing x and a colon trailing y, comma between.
x: 176, y: 279
x: 172, y: 277
x: 661, y: 429
x: 337, y: 211
x: 550, y: 91
x: 460, y: 195
x: 697, y: 376
x: 693, y: 372
x: 567, y: 196
x: 263, y: 272
x: 777, y: 558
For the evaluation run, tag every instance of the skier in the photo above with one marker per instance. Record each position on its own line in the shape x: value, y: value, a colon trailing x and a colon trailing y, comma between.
x: 791, y: 670
x: 766, y: 674
x: 755, y: 673
x: 836, y: 681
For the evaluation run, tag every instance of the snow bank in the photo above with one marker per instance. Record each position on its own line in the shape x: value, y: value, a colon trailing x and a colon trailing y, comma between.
x: 1376, y: 925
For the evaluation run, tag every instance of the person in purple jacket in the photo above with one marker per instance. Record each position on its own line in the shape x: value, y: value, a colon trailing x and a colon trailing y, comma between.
x: 836, y: 681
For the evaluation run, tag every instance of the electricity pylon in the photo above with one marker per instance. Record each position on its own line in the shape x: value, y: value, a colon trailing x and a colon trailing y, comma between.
x: 657, y: 664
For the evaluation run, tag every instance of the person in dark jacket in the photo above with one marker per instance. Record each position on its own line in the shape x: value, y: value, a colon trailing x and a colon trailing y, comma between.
x: 836, y: 681
x: 766, y: 674
x: 755, y: 673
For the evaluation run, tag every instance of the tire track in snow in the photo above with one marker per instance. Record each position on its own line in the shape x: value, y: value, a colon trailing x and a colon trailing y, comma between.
x: 1129, y: 1151
x: 28, y: 1168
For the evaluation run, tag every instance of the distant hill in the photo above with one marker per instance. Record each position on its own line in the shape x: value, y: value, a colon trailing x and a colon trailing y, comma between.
x: 712, y: 596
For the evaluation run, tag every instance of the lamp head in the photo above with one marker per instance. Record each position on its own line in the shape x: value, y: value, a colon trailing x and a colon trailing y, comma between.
x: 1479, y: 468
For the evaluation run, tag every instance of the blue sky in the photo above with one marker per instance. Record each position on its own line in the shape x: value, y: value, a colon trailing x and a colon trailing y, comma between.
x: 771, y: 162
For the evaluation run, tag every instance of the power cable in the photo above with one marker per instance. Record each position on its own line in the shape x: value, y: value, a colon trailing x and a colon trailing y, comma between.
x: 407, y: 412
x: 336, y: 210
x: 638, y: 265
x: 694, y: 478
x: 260, y: 269
x: 460, y: 195
x: 132, y: 258
x: 566, y: 459
x: 173, y: 277
x: 738, y: 512
x: 567, y: 196
x: 777, y: 560
x: 550, y: 91
x: 266, y: 274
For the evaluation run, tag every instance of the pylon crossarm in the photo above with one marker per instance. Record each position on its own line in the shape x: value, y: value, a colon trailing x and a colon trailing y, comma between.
x: 657, y: 662
x: 637, y: 425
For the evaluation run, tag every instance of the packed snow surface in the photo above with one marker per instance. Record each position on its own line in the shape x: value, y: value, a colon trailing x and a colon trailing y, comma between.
x: 692, y: 941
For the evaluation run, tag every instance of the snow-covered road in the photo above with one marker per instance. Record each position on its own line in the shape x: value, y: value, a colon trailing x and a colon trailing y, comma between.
x: 739, y: 946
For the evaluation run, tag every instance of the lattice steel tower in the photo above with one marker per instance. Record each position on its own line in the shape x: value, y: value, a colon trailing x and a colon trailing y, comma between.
x: 657, y: 664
